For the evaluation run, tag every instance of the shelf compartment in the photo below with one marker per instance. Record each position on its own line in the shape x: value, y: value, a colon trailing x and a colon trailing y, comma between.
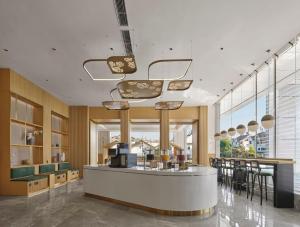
x: 26, y: 123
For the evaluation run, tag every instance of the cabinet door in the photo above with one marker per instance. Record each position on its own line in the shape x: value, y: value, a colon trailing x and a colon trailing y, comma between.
x: 30, y: 186
x: 36, y: 186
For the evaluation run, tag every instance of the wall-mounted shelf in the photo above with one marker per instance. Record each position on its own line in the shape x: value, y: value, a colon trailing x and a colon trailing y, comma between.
x: 59, y: 138
x: 26, y: 140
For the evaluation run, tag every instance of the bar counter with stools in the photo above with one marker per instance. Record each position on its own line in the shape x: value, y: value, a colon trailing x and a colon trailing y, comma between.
x: 281, y: 171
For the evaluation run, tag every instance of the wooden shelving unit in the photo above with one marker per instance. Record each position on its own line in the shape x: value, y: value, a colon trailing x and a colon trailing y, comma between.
x: 59, y: 137
x: 26, y: 139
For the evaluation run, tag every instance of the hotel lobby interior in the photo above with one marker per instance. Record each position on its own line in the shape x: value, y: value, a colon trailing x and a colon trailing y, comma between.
x: 150, y: 113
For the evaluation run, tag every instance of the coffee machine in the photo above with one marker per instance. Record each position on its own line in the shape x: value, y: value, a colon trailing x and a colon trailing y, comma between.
x: 121, y: 158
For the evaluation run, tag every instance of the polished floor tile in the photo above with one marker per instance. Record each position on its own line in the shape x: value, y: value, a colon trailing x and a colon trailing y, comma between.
x: 67, y: 206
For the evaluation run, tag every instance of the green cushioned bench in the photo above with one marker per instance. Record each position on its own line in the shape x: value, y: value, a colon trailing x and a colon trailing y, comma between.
x: 21, y: 172
x: 67, y: 168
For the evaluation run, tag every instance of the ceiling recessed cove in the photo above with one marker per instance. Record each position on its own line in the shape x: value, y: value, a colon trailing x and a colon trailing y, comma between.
x: 116, y: 105
x: 140, y: 89
x: 168, y: 105
x: 179, y: 85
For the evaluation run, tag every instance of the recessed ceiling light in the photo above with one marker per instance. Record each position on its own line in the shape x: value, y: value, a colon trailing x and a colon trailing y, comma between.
x: 231, y: 83
x: 253, y: 64
x: 224, y: 89
x: 80, y: 79
x: 218, y: 95
x: 268, y: 50
x: 5, y: 50
x: 201, y: 79
x: 170, y: 48
x: 111, y: 49
x: 221, y: 48
x: 54, y: 49
x: 47, y: 80
x: 241, y: 74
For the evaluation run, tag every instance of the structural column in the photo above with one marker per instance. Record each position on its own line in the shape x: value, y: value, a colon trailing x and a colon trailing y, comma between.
x: 125, y: 126
x: 164, y: 129
x: 203, y: 135
x: 79, y: 136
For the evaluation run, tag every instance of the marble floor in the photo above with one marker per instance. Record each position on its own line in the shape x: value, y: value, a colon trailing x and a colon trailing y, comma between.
x: 67, y: 206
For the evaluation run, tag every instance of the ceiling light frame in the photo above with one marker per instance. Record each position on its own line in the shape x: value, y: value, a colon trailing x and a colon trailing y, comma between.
x: 129, y: 101
x: 170, y: 60
x: 100, y: 79
x: 140, y: 89
x: 167, y: 105
x: 183, y: 88
x: 109, y: 105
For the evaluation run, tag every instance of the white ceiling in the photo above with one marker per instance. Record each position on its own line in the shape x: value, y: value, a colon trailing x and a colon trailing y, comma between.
x: 196, y: 29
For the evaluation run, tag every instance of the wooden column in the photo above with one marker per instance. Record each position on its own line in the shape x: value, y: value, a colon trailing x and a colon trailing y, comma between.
x: 164, y: 129
x: 195, y: 146
x: 203, y: 136
x: 4, y: 131
x: 125, y: 126
x: 79, y: 137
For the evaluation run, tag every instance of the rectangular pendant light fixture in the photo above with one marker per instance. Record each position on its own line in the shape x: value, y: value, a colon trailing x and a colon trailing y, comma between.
x: 179, y: 85
x: 122, y: 64
x: 140, y: 89
x: 116, y: 105
x: 168, y: 105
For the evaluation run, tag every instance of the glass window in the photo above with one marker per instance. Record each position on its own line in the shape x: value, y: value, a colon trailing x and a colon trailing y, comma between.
x: 248, y: 88
x: 286, y: 63
x: 265, y: 77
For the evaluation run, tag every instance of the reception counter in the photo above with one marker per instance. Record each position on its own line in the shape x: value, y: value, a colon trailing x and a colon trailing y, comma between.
x: 168, y: 192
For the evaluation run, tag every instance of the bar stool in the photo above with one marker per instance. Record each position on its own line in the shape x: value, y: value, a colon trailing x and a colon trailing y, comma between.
x: 239, y: 175
x: 220, y: 170
x: 261, y: 173
x: 227, y: 167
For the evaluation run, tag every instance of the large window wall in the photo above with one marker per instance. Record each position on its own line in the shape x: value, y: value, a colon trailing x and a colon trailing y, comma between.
x: 273, y: 89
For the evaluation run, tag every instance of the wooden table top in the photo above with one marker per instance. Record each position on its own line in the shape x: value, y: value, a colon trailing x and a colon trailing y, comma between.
x: 267, y: 161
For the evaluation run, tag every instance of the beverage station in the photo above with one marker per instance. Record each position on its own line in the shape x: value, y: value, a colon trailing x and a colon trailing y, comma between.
x: 160, y: 186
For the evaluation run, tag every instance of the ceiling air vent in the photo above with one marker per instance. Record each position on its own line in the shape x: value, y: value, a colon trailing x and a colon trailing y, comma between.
x: 121, y: 12
x: 127, y: 41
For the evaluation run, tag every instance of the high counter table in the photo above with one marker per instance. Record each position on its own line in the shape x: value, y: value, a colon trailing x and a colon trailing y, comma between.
x: 168, y: 192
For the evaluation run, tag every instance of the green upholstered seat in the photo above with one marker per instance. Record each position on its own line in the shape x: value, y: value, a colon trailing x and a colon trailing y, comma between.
x: 64, y: 166
x: 30, y: 178
x: 48, y: 168
x: 21, y: 172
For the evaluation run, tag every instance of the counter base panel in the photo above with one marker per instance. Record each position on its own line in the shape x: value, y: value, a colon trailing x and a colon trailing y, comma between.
x: 203, y: 213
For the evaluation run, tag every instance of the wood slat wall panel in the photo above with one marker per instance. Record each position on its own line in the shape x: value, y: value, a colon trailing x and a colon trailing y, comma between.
x: 203, y: 135
x: 79, y: 136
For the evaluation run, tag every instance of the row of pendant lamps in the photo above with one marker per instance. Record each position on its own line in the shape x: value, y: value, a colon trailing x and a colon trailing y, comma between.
x: 267, y: 122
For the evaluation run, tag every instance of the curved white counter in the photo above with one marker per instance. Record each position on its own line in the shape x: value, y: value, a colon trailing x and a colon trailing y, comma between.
x: 188, y: 192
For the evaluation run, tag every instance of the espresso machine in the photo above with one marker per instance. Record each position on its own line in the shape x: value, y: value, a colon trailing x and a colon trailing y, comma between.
x: 121, y: 158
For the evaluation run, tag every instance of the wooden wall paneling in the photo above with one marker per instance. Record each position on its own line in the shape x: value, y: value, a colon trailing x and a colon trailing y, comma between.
x: 184, y: 114
x: 164, y: 129
x: 195, y: 144
x: 147, y: 113
x: 93, y: 144
x: 4, y: 130
x: 203, y: 135
x: 79, y: 137
x: 101, y: 113
x: 125, y: 126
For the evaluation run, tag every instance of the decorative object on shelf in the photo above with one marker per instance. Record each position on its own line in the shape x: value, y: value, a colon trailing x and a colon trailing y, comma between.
x: 116, y: 105
x: 122, y: 64
x: 117, y: 65
x: 179, y: 85
x: 168, y: 105
x: 140, y: 89
x: 166, y: 61
x: 29, y: 138
x: 217, y: 136
x: 241, y: 129
x: 252, y: 126
x: 37, y: 132
x: 63, y: 156
x: 231, y: 132
x: 268, y: 121
x: 224, y: 134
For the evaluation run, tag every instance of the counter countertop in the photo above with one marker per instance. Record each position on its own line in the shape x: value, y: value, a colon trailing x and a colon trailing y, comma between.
x: 192, y: 171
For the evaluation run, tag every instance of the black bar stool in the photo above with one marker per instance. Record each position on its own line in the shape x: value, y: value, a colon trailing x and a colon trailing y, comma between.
x: 238, y: 180
x: 261, y: 173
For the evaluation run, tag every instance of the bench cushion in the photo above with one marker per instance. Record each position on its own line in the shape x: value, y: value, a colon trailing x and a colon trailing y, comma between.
x: 30, y: 178
x: 48, y: 168
x: 21, y: 172
x: 64, y: 166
